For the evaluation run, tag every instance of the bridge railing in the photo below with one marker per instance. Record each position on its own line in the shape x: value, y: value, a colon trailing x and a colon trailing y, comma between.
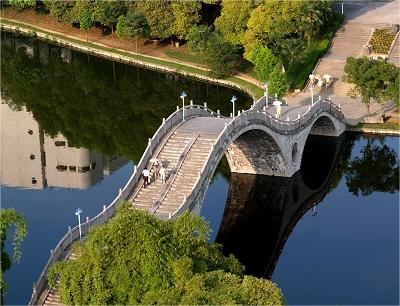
x: 63, y: 247
x: 248, y: 117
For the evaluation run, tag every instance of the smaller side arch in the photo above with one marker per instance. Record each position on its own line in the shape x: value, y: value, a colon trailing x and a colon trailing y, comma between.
x: 325, y: 125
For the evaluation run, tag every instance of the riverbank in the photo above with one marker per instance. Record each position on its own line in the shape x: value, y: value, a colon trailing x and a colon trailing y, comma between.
x: 378, y: 129
x: 145, y: 61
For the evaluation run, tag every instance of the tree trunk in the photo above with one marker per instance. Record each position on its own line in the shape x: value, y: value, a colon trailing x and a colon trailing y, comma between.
x: 136, y: 44
x: 112, y: 30
x: 115, y: 79
x: 368, y: 104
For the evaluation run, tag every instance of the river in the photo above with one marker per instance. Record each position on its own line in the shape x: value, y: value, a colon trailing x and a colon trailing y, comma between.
x: 73, y: 126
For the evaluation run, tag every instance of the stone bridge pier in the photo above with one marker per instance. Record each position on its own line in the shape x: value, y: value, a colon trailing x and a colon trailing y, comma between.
x: 261, y: 150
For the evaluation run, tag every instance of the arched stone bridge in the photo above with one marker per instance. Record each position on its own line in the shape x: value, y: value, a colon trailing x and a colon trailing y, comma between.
x: 254, y: 142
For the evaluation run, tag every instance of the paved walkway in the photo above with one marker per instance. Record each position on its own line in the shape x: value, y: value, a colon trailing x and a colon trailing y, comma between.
x: 361, y: 19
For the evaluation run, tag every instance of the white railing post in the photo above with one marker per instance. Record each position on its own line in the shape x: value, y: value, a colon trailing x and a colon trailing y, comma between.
x: 104, y: 208
x: 163, y: 120
x: 177, y: 107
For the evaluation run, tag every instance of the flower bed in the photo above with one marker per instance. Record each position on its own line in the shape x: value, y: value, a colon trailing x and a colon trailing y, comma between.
x: 381, y: 41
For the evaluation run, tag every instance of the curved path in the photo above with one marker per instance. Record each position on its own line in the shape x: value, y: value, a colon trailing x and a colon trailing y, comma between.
x: 190, y: 143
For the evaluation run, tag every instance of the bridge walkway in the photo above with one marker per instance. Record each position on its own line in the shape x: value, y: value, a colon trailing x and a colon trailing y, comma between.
x: 184, y: 155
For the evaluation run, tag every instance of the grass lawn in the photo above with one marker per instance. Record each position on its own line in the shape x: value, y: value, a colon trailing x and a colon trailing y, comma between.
x: 185, y: 57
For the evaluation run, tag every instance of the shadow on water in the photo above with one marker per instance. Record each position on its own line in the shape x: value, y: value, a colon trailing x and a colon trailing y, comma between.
x: 261, y: 211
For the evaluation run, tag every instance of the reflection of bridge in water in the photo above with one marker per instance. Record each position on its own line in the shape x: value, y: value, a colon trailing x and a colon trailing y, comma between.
x: 262, y: 211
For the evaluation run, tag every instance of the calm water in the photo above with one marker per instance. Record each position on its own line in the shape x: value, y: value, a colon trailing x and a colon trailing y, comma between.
x: 328, y: 235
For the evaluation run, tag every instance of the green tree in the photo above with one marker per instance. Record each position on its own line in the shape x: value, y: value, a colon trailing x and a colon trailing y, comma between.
x: 372, y: 79
x: 9, y: 217
x: 106, y: 12
x: 272, y: 22
x: 291, y: 50
x: 159, y: 16
x: 223, y: 57
x: 199, y: 38
x: 384, y: 178
x: 393, y: 89
x: 264, y: 61
x: 21, y: 4
x: 277, y: 82
x: 85, y: 21
x: 137, y: 259
x: 315, y: 15
x: 186, y: 14
x: 122, y: 27
x: 61, y: 11
x: 135, y: 26
x: 233, y: 20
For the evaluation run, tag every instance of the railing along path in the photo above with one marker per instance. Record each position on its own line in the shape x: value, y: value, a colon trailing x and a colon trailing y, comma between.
x: 255, y: 115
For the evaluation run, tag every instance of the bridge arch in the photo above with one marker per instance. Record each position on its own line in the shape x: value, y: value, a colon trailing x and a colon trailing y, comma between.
x: 256, y: 151
x: 244, y: 155
x: 324, y: 125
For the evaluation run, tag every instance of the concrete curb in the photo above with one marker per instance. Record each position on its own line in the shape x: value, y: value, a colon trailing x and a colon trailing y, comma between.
x: 388, y: 132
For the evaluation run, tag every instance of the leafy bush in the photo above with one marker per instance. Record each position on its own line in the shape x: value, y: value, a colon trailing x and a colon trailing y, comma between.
x: 137, y: 259
x: 381, y: 41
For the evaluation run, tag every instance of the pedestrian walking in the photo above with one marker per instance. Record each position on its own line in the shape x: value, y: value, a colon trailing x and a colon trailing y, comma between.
x: 163, y: 173
x: 146, y: 177
x: 157, y: 167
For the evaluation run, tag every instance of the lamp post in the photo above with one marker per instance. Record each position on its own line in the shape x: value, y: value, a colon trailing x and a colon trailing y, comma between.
x: 78, y: 213
x: 233, y: 105
x: 183, y: 95
x: 311, y: 77
x: 266, y: 84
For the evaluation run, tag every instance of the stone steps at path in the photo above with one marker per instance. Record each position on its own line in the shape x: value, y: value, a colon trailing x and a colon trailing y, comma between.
x: 394, y: 56
x: 349, y: 42
x: 53, y: 297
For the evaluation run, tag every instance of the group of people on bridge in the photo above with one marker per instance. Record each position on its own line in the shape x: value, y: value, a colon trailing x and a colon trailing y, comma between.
x: 159, y: 171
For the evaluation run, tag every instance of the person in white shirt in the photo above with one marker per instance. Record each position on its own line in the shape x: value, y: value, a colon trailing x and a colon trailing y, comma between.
x: 146, y: 177
x: 163, y: 173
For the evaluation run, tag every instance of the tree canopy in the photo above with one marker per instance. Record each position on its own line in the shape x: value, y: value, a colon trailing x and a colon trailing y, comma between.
x: 21, y: 4
x: 232, y: 23
x: 137, y: 259
x: 372, y: 79
x: 10, y: 217
x: 264, y: 61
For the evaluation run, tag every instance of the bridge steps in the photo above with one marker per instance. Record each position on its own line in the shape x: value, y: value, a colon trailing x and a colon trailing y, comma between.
x: 188, y: 174
x: 53, y: 297
x: 169, y: 156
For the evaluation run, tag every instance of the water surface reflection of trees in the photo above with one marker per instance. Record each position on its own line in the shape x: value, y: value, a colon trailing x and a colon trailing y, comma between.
x: 96, y: 103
